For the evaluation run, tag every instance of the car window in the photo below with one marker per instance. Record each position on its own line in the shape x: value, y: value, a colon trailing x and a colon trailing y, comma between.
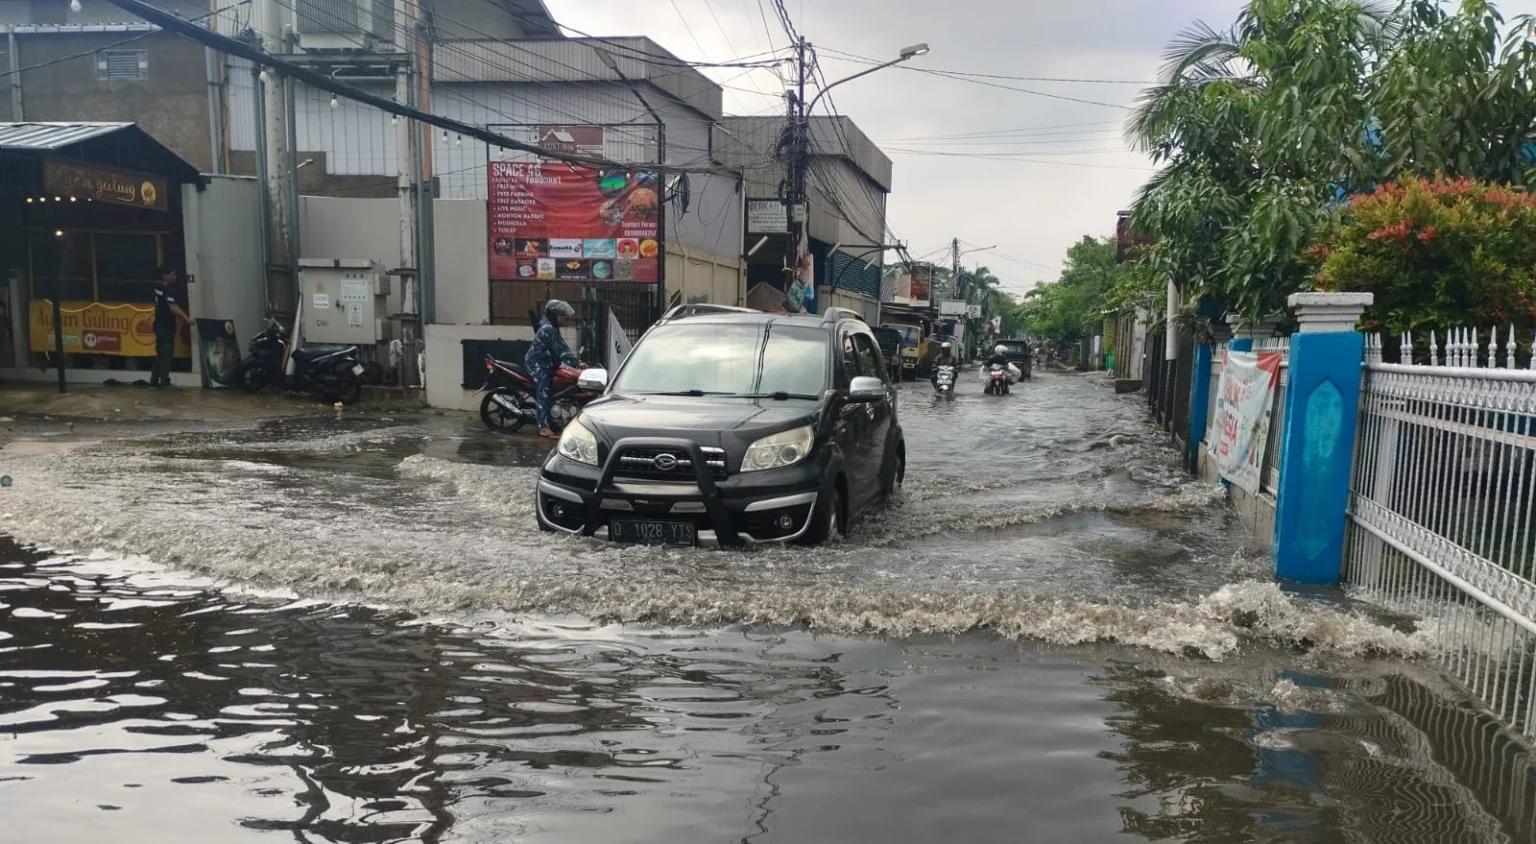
x: 869, y: 356
x: 729, y: 359
x: 851, y: 365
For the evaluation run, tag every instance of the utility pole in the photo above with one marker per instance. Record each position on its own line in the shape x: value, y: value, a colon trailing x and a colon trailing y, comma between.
x: 796, y: 213
x: 954, y: 273
x: 408, y: 146
x: 269, y: 23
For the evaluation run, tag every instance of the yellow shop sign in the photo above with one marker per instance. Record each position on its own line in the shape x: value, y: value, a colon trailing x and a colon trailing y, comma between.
x: 100, y: 328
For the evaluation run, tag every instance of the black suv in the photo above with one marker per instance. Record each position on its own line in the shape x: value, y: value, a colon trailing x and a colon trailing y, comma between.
x: 732, y: 426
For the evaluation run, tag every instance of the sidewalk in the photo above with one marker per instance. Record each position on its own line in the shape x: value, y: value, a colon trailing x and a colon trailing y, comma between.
x: 143, y: 404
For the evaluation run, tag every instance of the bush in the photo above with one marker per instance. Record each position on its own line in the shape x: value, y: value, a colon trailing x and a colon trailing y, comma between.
x: 1437, y: 254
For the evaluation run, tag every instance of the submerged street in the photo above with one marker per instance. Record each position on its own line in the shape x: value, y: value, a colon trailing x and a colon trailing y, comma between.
x: 348, y: 628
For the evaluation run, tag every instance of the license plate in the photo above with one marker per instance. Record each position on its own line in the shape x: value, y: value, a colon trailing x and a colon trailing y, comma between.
x: 357, y: 369
x: 652, y: 533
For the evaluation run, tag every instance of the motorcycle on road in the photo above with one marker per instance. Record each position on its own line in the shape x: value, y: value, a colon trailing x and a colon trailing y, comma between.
x: 999, y: 380
x: 944, y: 379
x: 508, y: 402
x: 329, y: 373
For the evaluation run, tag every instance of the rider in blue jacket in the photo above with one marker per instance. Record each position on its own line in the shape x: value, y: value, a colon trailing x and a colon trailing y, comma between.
x: 548, y: 351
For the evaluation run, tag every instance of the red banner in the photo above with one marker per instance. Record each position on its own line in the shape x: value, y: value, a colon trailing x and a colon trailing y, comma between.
x: 550, y: 220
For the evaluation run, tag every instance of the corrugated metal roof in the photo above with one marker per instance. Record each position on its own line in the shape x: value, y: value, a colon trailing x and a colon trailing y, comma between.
x: 39, y: 136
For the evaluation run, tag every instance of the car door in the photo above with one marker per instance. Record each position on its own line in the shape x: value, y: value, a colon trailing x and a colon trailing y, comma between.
x: 881, y: 414
x: 853, y: 425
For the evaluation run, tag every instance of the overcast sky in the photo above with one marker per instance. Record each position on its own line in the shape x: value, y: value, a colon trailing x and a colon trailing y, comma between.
x: 1068, y: 170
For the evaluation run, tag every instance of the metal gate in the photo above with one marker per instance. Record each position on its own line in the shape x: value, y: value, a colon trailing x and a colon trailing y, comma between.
x: 634, y: 306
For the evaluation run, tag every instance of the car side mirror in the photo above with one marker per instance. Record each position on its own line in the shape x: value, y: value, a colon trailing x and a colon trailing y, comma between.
x: 866, y: 388
x: 593, y: 379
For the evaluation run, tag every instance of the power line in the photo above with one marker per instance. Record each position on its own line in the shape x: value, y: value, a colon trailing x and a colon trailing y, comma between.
x: 855, y: 57
x: 188, y: 29
x: 641, y: 54
x: 998, y: 85
x: 1012, y: 158
x: 94, y: 50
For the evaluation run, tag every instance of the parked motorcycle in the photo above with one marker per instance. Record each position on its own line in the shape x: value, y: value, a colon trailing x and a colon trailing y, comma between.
x: 944, y: 379
x: 508, y: 402
x: 330, y: 373
x: 998, y: 380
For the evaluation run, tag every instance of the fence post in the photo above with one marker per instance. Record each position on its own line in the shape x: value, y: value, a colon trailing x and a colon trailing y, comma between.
x: 1200, y: 387
x: 1317, y: 449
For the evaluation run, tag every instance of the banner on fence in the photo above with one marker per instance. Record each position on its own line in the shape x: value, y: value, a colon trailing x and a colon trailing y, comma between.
x: 1244, y: 402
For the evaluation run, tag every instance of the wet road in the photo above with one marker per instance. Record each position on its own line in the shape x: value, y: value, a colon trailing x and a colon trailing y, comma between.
x: 349, y: 630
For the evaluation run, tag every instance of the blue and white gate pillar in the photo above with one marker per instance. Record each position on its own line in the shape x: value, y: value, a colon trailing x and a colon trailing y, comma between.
x: 1317, y: 449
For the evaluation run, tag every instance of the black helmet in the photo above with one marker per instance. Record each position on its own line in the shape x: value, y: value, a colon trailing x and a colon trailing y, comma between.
x: 559, y: 306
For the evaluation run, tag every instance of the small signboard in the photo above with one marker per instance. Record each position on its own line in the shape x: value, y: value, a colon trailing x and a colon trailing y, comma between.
x: 104, y: 184
x: 767, y: 216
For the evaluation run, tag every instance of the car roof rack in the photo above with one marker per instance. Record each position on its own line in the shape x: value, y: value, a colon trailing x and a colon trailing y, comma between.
x: 702, y: 308
x: 835, y: 314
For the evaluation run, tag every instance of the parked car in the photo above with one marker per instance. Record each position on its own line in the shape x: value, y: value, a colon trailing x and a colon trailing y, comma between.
x: 890, y: 341
x: 1018, y: 352
x: 732, y: 427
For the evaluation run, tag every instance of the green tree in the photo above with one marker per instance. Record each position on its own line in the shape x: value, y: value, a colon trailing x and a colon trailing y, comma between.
x: 1257, y: 128
x: 1064, y: 310
x: 1263, y: 128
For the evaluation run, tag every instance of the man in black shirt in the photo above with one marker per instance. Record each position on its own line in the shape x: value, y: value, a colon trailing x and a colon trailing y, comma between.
x: 167, y: 312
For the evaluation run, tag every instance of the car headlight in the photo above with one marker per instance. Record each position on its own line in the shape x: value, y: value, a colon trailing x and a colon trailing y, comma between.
x: 782, y: 449
x: 578, y: 444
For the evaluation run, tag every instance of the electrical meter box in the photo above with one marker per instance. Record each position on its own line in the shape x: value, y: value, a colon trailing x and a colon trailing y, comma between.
x: 343, y: 300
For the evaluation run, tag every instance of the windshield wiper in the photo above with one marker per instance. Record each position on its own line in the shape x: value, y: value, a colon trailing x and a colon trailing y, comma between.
x: 778, y: 396
x: 691, y: 393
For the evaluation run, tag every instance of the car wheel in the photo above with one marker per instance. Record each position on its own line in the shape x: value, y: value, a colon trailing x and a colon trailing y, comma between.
x: 894, y: 473
x: 826, y: 519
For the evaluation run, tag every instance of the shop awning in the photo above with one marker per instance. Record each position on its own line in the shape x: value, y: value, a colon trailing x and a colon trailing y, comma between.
x: 124, y: 144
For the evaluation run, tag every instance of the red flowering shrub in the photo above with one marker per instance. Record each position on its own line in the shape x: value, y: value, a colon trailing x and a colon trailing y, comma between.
x: 1437, y: 253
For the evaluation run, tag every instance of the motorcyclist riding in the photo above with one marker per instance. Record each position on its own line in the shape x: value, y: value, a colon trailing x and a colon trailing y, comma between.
x: 548, y: 351
x: 1000, y: 358
x: 946, y: 358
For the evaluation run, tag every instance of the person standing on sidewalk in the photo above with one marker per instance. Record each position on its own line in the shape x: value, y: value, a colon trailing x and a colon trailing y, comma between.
x: 167, y: 312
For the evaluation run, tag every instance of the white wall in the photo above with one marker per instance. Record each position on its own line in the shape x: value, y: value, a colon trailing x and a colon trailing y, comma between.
x: 343, y: 227
x: 865, y: 306
x: 222, y: 224
x: 445, y: 355
x: 695, y: 276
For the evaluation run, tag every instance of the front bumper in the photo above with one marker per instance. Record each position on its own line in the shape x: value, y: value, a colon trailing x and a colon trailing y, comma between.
x: 775, y: 505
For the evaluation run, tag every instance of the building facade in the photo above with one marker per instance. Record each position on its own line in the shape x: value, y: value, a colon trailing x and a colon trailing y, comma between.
x: 847, y: 186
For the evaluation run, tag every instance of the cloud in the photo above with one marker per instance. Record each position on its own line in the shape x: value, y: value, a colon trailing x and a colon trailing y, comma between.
x: 1038, y: 190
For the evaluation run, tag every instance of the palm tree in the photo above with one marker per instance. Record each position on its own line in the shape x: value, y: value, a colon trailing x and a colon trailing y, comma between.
x: 1256, y: 127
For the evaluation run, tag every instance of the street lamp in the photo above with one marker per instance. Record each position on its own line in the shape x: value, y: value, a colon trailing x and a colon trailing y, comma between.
x: 910, y: 52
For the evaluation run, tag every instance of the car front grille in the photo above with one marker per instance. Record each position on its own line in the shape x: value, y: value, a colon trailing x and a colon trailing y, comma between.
x: 667, y: 464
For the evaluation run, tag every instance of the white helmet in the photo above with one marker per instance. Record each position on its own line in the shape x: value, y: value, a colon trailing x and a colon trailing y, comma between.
x: 559, y: 306
x: 1001, y: 349
x: 944, y: 346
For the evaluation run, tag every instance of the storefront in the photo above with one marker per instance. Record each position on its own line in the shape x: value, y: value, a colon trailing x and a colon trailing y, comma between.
x: 88, y: 213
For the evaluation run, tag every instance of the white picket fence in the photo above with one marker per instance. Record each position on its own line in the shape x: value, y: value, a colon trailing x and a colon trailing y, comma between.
x: 1440, y: 521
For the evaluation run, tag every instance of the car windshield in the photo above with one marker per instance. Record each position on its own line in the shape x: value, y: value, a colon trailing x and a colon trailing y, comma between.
x: 1015, y: 347
x: 908, y: 334
x: 698, y: 358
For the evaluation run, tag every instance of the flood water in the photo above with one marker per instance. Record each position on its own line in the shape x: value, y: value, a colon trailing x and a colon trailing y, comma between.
x: 348, y: 629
